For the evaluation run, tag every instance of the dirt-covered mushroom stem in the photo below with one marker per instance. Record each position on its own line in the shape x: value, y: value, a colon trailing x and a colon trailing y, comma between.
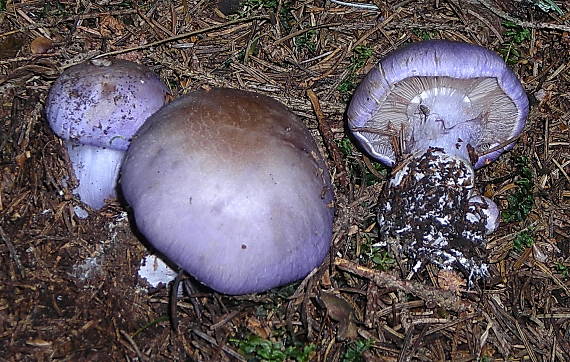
x: 425, y: 208
x: 432, y: 110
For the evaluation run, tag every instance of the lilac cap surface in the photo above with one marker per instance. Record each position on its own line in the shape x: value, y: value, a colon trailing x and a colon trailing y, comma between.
x: 103, y: 102
x: 96, y: 107
x: 468, y: 88
x: 230, y: 186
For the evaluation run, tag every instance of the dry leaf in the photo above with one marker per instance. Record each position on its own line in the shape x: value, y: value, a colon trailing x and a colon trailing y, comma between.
x: 539, y: 254
x: 21, y: 158
x: 41, y: 45
x: 38, y: 342
x: 342, y: 312
x: 353, y: 229
x: 326, y: 279
x: 110, y: 26
x: 258, y: 328
x: 10, y: 46
x: 450, y: 280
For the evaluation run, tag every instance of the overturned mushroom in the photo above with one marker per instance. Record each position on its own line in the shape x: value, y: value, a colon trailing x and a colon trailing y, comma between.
x: 96, y: 107
x: 435, y: 111
x: 230, y: 186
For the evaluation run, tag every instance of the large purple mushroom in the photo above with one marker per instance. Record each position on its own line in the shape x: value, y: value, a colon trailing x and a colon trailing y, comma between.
x: 96, y: 107
x: 436, y: 111
x: 230, y: 186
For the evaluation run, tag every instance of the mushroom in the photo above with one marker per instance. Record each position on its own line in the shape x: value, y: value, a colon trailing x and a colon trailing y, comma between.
x: 96, y: 107
x: 436, y: 111
x: 230, y: 186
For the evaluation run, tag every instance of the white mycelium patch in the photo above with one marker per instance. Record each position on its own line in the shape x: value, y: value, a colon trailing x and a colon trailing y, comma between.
x: 425, y: 211
x: 480, y: 207
x: 155, y: 271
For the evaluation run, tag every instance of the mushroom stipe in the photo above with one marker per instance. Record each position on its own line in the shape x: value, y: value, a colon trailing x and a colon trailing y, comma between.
x: 424, y: 214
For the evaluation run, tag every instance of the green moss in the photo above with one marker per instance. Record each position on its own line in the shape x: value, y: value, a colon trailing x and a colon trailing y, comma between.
x: 523, y: 240
x: 354, y: 351
x: 347, y: 85
x: 562, y: 269
x: 360, y: 55
x: 265, y: 4
x: 256, y: 348
x: 306, y: 41
x: 381, y: 259
x: 521, y: 200
x: 346, y: 146
x: 515, y: 35
x: 356, y: 166
x: 250, y: 7
x: 423, y: 34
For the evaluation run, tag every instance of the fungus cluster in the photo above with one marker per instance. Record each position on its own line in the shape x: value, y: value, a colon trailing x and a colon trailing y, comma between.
x: 436, y: 111
x: 96, y: 107
x: 230, y: 186
x: 227, y: 184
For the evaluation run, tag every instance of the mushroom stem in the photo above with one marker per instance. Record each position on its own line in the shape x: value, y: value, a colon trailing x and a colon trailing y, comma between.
x: 431, y: 204
x: 450, y: 124
x: 97, y: 171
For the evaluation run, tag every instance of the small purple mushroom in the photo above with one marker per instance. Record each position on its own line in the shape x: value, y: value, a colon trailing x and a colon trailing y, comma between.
x: 230, y: 186
x: 435, y: 111
x: 96, y: 107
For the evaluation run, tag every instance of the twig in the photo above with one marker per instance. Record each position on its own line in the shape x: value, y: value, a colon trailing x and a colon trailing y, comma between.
x: 301, y: 288
x: 41, y: 30
x: 189, y: 288
x: 129, y: 339
x: 500, y: 146
x: 181, y: 36
x: 304, y: 30
x: 225, y: 320
x: 525, y: 24
x: 371, y: 168
x: 442, y: 298
x: 328, y: 138
x: 74, y: 18
x: 13, y: 253
x: 561, y: 169
x: 488, y: 24
x: 524, y: 338
x: 356, y: 5
x: 213, y: 342
x: 173, y: 300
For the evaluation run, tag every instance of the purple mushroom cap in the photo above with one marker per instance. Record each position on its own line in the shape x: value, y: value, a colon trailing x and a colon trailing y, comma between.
x: 465, y: 85
x: 436, y: 111
x: 230, y: 186
x: 96, y: 107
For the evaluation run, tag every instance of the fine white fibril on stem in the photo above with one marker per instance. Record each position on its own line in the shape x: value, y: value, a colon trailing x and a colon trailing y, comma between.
x: 97, y: 170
